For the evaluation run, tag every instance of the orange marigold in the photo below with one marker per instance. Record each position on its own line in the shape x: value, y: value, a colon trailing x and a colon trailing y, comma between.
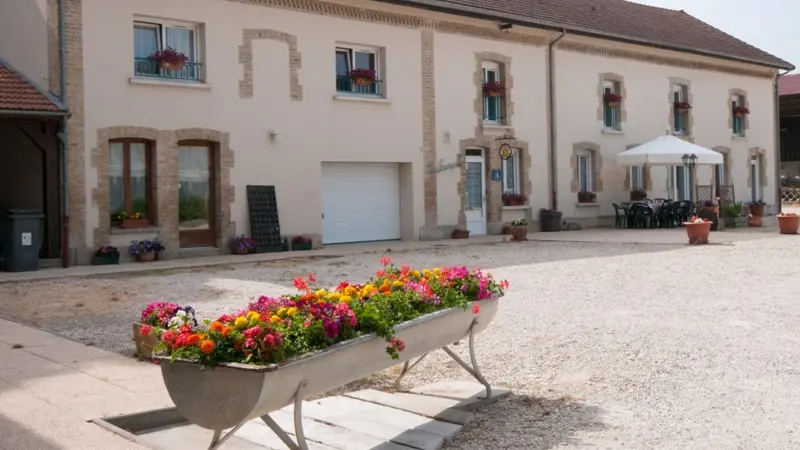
x: 226, y: 331
x: 193, y: 339
x: 207, y: 347
x: 216, y: 326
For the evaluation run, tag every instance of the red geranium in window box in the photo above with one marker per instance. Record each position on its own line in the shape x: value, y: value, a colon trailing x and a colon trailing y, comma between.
x: 362, y: 77
x: 740, y: 111
x: 169, y: 59
x: 493, y: 89
x: 612, y: 99
x: 682, y: 106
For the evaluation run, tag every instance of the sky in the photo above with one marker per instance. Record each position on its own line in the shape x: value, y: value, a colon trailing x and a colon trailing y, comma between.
x: 771, y: 25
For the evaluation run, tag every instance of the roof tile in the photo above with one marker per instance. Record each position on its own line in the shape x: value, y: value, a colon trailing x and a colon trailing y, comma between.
x: 789, y: 84
x: 17, y: 93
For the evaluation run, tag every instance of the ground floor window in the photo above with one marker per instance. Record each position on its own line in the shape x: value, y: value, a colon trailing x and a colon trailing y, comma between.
x: 129, y: 178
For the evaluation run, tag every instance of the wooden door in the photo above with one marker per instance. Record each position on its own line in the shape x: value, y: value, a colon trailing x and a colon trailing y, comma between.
x: 196, y: 194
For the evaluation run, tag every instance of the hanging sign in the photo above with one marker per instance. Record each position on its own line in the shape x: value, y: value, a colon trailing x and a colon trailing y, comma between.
x: 505, y: 151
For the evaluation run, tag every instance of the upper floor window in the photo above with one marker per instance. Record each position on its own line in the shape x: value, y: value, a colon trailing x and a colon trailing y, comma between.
x: 738, y: 113
x: 612, y: 99
x: 130, y: 182
x: 358, y: 71
x: 493, y: 93
x: 166, y: 50
x: 680, y: 109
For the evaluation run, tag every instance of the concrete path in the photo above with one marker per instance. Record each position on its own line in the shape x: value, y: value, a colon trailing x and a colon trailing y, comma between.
x: 204, y: 261
x: 51, y: 387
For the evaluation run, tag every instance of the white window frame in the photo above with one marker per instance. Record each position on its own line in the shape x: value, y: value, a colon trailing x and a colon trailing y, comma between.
x: 755, y: 175
x: 687, y: 185
x: 350, y: 49
x: 611, y: 87
x: 589, y: 175
x: 517, y: 189
x: 639, y: 171
x: 680, y: 93
x: 491, y: 66
x: 739, y: 100
x: 161, y: 26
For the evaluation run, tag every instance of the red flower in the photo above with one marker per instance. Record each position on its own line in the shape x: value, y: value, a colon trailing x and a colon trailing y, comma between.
x: 311, y: 278
x: 300, y: 284
x: 386, y: 260
x: 476, y: 308
x: 145, y: 330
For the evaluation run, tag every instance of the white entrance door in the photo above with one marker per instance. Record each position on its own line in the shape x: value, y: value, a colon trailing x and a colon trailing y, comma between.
x: 360, y: 202
x: 679, y: 179
x: 475, y: 208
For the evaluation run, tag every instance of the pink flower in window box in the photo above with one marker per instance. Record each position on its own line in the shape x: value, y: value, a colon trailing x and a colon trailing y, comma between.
x: 169, y: 59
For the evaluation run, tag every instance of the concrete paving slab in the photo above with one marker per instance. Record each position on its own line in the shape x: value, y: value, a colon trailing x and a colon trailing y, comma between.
x: 333, y: 436
x: 192, y: 437
x: 433, y: 407
x: 469, y: 394
x: 28, y: 337
x: 378, y: 423
x: 393, y: 416
x: 65, y: 351
x: 256, y: 431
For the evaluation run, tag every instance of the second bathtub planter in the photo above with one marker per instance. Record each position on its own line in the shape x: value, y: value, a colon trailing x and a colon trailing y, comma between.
x: 279, y: 351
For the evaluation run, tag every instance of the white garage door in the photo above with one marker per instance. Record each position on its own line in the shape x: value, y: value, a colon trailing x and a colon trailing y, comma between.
x: 360, y: 202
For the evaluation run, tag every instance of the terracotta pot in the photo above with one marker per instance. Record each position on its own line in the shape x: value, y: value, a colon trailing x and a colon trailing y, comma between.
x: 519, y: 233
x: 460, y: 234
x: 363, y: 81
x: 698, y: 232
x: 135, y: 223
x: 754, y: 222
x: 174, y: 65
x: 682, y: 110
x: 493, y: 93
x: 144, y: 344
x: 506, y: 229
x: 757, y: 210
x: 146, y: 257
x: 788, y: 224
x: 612, y: 104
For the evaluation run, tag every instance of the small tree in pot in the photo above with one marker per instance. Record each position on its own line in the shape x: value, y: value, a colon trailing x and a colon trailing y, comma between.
x: 638, y: 195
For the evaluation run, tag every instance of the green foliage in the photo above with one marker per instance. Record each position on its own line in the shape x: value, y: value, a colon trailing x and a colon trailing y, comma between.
x: 192, y: 208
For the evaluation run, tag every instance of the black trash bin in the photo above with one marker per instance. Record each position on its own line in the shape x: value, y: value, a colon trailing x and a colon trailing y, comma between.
x: 21, y: 240
x: 550, y: 220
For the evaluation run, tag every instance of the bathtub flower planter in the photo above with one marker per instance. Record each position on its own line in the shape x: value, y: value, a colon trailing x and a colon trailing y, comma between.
x: 280, y: 351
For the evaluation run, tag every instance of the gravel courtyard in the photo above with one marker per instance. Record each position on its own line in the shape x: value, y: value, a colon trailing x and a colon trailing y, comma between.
x: 605, y: 345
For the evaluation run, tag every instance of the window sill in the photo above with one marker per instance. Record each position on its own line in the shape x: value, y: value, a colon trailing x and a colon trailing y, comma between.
x: 587, y: 205
x: 361, y: 98
x: 611, y: 131
x: 170, y: 83
x: 736, y: 137
x: 124, y: 231
x: 515, y: 207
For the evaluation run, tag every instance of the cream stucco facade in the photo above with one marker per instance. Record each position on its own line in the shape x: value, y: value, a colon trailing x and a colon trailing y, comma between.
x: 266, y: 99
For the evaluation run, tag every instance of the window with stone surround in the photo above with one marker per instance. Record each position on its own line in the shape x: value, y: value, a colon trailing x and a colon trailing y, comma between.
x: 130, y: 179
x: 612, y: 109
x: 738, y: 118
x: 636, y: 177
x: 585, y: 171
x: 493, y: 93
x: 512, y: 182
x: 358, y: 70
x: 167, y: 49
x: 680, y: 110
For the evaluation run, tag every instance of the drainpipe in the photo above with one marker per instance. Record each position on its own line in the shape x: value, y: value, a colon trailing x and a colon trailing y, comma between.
x: 551, y: 108
x: 62, y: 136
x: 777, y: 112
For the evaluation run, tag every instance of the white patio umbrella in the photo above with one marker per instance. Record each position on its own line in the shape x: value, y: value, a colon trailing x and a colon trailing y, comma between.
x: 667, y: 151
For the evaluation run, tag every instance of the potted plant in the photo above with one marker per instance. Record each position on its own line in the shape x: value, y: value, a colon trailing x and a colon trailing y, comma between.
x: 788, y: 223
x: 301, y: 242
x: 740, y: 111
x: 612, y: 99
x: 458, y: 233
x: 710, y: 206
x: 105, y: 255
x: 519, y: 230
x: 756, y: 208
x: 682, y: 107
x: 754, y: 221
x: 697, y: 230
x: 146, y: 249
x: 155, y: 318
x: 242, y: 245
x: 638, y: 195
x: 733, y: 215
x: 362, y: 77
x: 169, y: 59
x: 129, y: 220
x: 493, y: 89
x: 506, y: 229
x: 586, y: 197
x: 512, y: 199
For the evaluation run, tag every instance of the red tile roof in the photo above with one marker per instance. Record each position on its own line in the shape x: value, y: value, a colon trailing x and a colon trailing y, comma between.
x: 614, y: 19
x: 18, y: 93
x: 789, y: 84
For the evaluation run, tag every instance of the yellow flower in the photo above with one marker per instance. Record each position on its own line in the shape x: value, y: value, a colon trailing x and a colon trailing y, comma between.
x: 397, y: 283
x: 416, y: 273
x: 291, y: 311
x: 275, y: 319
x: 320, y: 302
x: 240, y: 322
x: 282, y: 312
x: 437, y: 271
x: 349, y: 290
x: 346, y: 299
x: 321, y: 293
x: 334, y: 296
x: 427, y: 273
x: 252, y: 315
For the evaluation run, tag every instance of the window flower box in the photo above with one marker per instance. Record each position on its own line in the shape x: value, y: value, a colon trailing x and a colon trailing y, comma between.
x: 611, y: 99
x: 682, y: 107
x: 512, y: 199
x: 169, y: 59
x: 740, y: 111
x: 493, y: 89
x: 362, y: 77
x: 587, y: 197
